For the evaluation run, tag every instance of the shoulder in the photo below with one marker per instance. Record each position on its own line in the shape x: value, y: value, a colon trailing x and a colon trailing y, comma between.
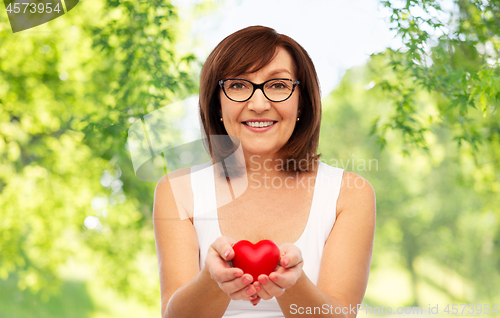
x: 174, y: 191
x: 355, y: 193
x: 177, y: 178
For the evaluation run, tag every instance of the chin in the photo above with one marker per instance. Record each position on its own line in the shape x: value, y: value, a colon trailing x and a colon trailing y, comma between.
x: 259, y: 150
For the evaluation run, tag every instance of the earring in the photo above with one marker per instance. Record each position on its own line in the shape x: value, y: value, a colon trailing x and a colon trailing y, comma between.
x: 221, y: 119
x: 298, y: 118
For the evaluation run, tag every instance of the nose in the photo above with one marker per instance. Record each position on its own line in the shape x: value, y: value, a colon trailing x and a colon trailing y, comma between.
x: 259, y: 103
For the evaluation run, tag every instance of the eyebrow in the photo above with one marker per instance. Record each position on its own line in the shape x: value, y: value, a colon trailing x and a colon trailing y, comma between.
x: 281, y: 70
x: 278, y: 71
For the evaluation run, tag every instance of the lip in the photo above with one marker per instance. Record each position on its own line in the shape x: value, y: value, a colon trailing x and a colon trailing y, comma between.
x: 259, y: 129
x: 258, y: 119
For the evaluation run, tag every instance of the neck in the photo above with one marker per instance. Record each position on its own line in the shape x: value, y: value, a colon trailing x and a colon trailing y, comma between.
x: 262, y: 171
x: 259, y: 171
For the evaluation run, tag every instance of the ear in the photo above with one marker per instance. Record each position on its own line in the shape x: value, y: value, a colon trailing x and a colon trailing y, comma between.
x: 299, y: 111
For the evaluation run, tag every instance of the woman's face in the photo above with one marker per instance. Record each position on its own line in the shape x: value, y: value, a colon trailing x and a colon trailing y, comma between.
x: 236, y: 115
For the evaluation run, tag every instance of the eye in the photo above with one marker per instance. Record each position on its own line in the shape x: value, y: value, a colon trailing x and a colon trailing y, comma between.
x: 236, y: 85
x: 278, y: 85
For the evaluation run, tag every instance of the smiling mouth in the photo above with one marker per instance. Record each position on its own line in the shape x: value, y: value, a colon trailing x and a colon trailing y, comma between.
x: 260, y: 124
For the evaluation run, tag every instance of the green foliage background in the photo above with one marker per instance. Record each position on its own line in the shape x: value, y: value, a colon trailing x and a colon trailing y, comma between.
x: 423, y: 119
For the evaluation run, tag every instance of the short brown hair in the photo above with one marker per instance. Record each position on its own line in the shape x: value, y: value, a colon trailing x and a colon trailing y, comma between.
x: 249, y: 50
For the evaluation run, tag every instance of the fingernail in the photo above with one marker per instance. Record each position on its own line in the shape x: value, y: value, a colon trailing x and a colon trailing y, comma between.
x: 263, y: 281
x: 286, y: 261
x: 237, y: 274
x: 249, y: 291
x: 246, y: 280
x: 253, y: 297
x: 274, y: 278
x: 257, y: 288
x: 227, y: 253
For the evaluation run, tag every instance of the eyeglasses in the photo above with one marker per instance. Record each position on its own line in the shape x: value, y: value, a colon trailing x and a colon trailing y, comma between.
x: 275, y: 90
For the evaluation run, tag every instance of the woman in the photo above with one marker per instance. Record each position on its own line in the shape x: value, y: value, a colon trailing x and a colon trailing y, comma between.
x: 322, y: 218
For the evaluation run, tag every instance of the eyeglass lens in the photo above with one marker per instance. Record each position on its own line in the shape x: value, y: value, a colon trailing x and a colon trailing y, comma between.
x: 275, y: 90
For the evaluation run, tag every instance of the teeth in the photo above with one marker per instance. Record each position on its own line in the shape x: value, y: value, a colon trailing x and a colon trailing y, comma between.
x: 259, y: 123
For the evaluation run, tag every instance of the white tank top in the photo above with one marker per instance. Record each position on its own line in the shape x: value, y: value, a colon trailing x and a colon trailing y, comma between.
x: 311, y: 242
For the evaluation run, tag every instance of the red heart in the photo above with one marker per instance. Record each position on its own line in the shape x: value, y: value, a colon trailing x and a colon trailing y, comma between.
x: 261, y: 258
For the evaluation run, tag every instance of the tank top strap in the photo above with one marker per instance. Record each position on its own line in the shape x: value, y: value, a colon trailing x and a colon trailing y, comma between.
x: 321, y: 219
x: 324, y: 210
x: 205, y: 219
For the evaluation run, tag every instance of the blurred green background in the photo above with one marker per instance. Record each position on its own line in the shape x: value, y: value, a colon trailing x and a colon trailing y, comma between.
x: 420, y: 123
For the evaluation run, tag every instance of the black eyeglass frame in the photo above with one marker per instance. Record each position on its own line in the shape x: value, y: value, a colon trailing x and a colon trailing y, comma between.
x: 258, y: 86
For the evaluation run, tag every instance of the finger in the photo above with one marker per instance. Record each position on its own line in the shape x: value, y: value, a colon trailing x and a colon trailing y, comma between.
x: 238, y: 284
x: 255, y: 301
x: 244, y: 293
x: 223, y: 246
x: 286, y: 278
x: 270, y: 288
x: 290, y: 256
x: 223, y: 274
x: 290, y: 260
x: 261, y: 291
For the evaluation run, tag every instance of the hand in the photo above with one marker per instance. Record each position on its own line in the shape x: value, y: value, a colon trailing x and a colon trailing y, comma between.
x: 230, y: 279
x: 287, y: 274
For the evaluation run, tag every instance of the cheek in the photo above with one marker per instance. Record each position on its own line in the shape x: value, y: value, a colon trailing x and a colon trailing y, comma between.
x: 291, y: 111
x: 231, y: 116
